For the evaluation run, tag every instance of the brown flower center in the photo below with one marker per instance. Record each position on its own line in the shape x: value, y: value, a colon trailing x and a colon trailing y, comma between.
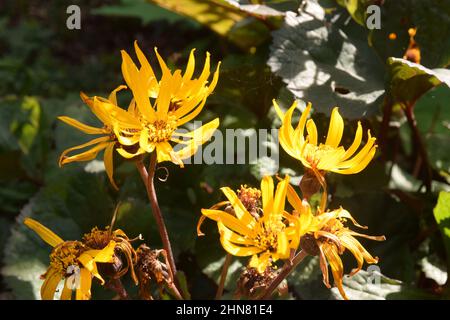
x: 66, y: 254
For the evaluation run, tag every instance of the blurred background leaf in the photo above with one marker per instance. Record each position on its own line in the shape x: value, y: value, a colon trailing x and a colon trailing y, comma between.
x: 328, y: 63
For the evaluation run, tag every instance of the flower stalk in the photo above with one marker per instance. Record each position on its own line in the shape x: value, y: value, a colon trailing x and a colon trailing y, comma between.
x: 223, y: 276
x: 284, y: 272
x: 148, y: 179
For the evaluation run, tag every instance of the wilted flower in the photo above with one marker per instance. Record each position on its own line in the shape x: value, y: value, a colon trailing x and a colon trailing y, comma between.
x: 66, y: 260
x: 267, y: 238
x: 151, y: 268
x: 328, y: 156
x: 328, y: 238
x: 98, y: 239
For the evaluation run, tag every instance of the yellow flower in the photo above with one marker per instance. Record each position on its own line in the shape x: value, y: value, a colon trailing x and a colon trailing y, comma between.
x: 67, y: 257
x: 328, y: 237
x: 266, y: 238
x: 161, y: 107
x: 108, y: 113
x: 329, y: 156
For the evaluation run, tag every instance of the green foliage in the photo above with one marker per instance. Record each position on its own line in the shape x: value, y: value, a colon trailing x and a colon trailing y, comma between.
x: 442, y: 215
x: 408, y: 80
x: 433, y: 38
x: 327, y: 64
x: 318, y: 51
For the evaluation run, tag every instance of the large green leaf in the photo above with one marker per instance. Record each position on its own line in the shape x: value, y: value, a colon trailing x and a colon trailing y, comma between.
x: 147, y: 12
x: 258, y: 9
x: 409, y: 81
x: 442, y: 216
x: 327, y: 63
x: 357, y: 9
x: 372, y: 285
x: 221, y: 17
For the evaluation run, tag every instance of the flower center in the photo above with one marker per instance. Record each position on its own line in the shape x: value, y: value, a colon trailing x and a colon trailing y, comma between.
x: 250, y: 198
x: 314, y: 154
x: 268, y: 238
x: 160, y: 130
x: 66, y: 254
x: 97, y: 239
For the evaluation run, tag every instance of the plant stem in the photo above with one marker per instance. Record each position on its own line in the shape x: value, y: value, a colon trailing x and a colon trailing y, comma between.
x: 175, y: 291
x: 409, y: 112
x: 287, y: 268
x: 223, y: 275
x: 117, y: 286
x: 148, y: 179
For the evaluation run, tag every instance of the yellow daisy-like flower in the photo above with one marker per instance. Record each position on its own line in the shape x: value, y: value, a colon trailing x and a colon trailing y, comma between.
x: 328, y: 156
x: 108, y: 112
x: 328, y: 237
x: 177, y: 100
x: 66, y: 258
x: 266, y: 238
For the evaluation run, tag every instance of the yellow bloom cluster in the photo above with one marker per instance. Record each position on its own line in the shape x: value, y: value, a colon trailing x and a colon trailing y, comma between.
x: 65, y: 259
x: 158, y: 108
x: 275, y: 232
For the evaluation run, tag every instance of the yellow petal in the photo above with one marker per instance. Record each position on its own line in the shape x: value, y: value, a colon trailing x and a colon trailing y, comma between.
x: 116, y: 114
x: 231, y: 236
x: 239, y: 209
x: 360, y: 160
x: 356, y: 143
x: 66, y: 293
x: 215, y: 79
x: 104, y: 255
x: 336, y: 129
x: 138, y: 84
x: 164, y: 151
x: 362, y: 164
x: 260, y: 263
x: 50, y: 284
x: 300, y: 130
x: 127, y: 138
x: 280, y: 197
x: 238, y: 251
x: 129, y: 69
x: 109, y: 166
x: 191, y: 115
x: 165, y: 90
x: 45, y: 233
x: 280, y: 113
x: 81, y: 126
x: 88, y: 155
x: 84, y: 292
x: 283, y: 249
x: 146, y: 70
x: 337, y: 269
x: 162, y: 64
x: 144, y: 142
x: 228, y: 220
x: 205, y: 72
x: 100, y: 113
x: 190, y: 67
x: 199, y: 137
x: 267, y: 189
x: 113, y: 95
x: 312, y: 132
x: 128, y: 155
x: 89, y: 263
